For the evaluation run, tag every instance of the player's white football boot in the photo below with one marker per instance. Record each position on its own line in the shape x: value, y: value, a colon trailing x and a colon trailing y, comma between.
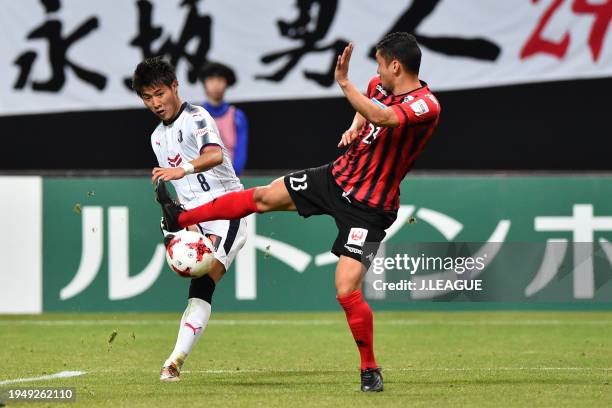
x: 170, y: 373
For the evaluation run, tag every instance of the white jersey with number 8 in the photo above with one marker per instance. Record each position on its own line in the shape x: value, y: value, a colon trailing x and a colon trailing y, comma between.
x: 182, y: 141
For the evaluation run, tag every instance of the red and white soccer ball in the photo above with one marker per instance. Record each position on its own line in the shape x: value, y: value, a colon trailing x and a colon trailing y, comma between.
x: 190, y: 254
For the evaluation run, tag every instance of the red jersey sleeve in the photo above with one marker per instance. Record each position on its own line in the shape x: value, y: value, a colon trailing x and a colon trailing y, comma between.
x: 424, y: 108
x: 372, y: 86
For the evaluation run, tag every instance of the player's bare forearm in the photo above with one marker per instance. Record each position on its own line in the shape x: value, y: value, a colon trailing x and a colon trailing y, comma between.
x: 353, y: 131
x: 211, y: 156
x: 358, y: 122
x: 368, y: 109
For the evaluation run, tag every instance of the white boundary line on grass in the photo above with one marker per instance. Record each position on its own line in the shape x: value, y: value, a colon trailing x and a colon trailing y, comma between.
x: 273, y: 322
x: 415, y: 369
x: 388, y: 369
x: 62, y: 374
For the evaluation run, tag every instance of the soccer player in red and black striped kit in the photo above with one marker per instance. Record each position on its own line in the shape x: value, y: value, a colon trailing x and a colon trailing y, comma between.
x: 360, y: 189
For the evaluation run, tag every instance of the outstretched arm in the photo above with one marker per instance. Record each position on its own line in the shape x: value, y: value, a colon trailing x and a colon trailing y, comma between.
x: 368, y: 109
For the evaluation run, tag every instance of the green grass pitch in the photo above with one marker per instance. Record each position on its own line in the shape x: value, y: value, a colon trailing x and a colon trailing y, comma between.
x: 497, y: 359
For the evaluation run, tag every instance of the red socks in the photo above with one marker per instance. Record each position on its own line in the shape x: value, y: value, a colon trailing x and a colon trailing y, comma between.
x: 361, y: 322
x: 230, y: 206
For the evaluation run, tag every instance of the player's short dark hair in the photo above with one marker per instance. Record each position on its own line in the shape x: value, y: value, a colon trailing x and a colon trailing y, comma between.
x: 217, y: 69
x: 403, y: 47
x: 152, y: 71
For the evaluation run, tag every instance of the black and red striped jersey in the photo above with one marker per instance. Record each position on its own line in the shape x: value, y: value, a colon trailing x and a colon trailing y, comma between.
x: 371, y: 169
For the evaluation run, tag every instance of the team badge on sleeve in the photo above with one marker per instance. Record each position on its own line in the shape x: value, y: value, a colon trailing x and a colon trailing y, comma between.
x: 419, y: 107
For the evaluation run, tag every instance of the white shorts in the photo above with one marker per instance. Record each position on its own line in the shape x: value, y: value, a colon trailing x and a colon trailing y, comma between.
x: 233, y: 236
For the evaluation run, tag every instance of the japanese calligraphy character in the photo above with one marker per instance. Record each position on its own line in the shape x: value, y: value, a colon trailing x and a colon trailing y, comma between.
x: 196, y: 26
x: 51, y: 30
x: 477, y: 48
x: 322, y: 13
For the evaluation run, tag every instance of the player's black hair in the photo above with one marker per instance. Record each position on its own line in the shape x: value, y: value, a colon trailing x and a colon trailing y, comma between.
x: 152, y: 71
x: 218, y: 69
x: 403, y: 47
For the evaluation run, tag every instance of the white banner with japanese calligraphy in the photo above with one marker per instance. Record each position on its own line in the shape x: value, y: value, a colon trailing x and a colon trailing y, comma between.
x: 61, y: 55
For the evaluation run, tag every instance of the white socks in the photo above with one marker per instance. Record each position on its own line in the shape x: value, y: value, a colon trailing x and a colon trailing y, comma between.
x: 193, y: 323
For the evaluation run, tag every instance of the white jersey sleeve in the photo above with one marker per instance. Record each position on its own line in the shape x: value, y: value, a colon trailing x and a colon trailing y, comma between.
x: 156, y: 140
x: 205, y: 131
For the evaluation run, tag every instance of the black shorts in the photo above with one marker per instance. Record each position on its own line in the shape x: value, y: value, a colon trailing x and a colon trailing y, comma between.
x: 360, y: 228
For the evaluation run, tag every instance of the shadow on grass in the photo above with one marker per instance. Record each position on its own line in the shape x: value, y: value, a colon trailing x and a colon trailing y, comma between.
x: 292, y: 378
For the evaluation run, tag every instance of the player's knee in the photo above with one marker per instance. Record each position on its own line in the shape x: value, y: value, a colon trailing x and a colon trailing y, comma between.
x: 217, y: 271
x: 346, y: 288
x: 259, y: 194
x: 264, y: 198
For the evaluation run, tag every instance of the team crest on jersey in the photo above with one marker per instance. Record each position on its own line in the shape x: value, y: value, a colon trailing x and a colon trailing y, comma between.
x: 175, y: 161
x: 408, y: 99
x: 180, y: 136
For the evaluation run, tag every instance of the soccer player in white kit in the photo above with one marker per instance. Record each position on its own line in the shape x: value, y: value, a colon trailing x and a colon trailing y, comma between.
x: 191, y: 154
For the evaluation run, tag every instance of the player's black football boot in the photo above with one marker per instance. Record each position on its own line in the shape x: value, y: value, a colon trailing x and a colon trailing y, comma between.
x: 371, y: 380
x: 168, y: 236
x: 170, y: 209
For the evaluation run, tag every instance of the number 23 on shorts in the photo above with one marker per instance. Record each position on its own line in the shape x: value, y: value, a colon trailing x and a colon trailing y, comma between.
x: 299, y: 183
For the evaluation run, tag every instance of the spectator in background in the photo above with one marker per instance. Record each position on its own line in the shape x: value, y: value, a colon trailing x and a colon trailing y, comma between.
x: 231, y: 121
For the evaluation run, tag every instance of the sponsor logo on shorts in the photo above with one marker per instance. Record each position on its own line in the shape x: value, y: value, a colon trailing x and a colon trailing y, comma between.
x: 354, y: 250
x: 346, y: 194
x: 357, y: 236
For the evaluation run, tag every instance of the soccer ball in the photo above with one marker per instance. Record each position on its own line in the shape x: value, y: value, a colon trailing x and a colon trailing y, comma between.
x: 190, y: 254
